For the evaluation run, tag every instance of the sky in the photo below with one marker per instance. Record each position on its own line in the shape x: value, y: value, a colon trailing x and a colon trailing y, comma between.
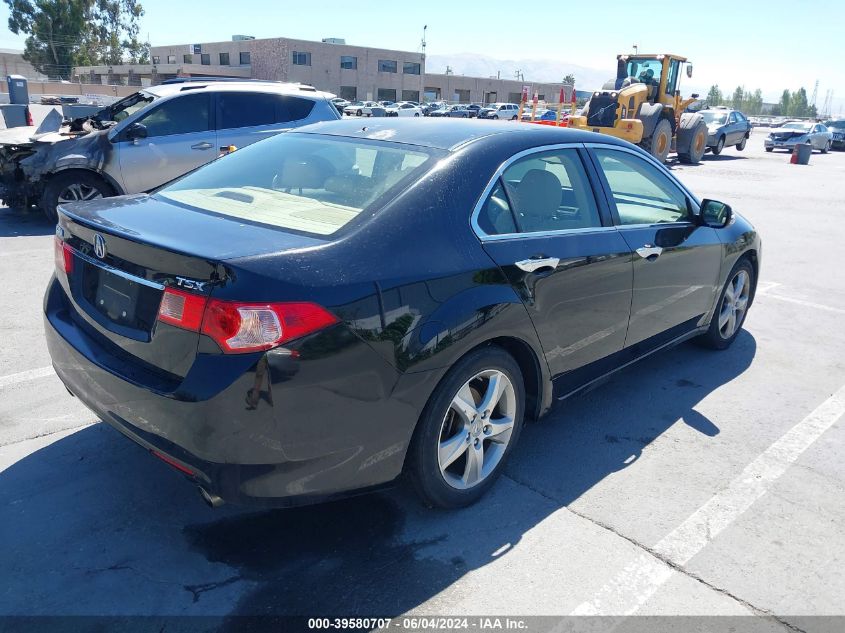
x: 769, y: 44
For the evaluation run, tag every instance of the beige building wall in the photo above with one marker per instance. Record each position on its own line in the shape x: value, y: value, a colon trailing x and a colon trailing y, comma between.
x: 12, y: 63
x: 460, y: 88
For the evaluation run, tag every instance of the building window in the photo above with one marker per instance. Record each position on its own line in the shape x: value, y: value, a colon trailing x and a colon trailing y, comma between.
x: 301, y: 59
x: 387, y: 66
x: 462, y: 96
x: 431, y: 93
x: 348, y: 62
x: 156, y: 59
x: 350, y: 93
x: 244, y: 58
x: 514, y: 97
x: 187, y: 59
x: 205, y: 59
x: 224, y: 59
x: 171, y: 59
x: 411, y: 95
x: 386, y: 94
x: 411, y: 68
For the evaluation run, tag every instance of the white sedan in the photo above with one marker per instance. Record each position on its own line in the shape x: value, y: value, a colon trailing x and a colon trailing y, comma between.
x: 788, y: 135
x: 404, y: 109
x: 361, y: 108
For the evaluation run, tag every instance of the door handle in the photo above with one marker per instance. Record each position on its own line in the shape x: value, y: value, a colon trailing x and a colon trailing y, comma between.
x: 649, y: 252
x: 202, y: 145
x: 536, y: 263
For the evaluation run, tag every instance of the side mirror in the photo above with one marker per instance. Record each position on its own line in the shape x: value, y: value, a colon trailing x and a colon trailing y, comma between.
x: 689, y: 69
x: 715, y: 214
x: 136, y: 131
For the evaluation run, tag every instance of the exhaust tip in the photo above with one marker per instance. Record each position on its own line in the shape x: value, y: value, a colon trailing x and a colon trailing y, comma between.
x: 211, y: 500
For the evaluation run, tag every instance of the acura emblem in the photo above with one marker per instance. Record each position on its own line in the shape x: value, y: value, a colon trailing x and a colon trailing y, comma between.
x: 99, y: 246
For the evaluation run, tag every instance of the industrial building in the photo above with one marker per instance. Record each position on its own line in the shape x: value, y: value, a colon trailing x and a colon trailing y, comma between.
x: 351, y: 72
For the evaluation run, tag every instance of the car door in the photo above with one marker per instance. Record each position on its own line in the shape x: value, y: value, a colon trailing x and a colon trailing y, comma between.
x: 676, y: 263
x: 733, y: 135
x: 541, y: 223
x: 246, y: 117
x: 179, y: 137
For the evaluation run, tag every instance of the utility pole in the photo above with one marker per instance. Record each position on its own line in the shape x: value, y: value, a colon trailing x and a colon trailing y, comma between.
x: 815, y: 93
x: 636, y: 49
x: 423, y: 41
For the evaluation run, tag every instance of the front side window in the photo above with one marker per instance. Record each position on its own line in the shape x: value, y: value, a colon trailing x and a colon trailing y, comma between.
x: 546, y: 191
x: 302, y: 182
x: 348, y: 62
x: 387, y: 66
x: 181, y: 115
x: 672, y: 77
x: 301, y: 59
x: 641, y: 193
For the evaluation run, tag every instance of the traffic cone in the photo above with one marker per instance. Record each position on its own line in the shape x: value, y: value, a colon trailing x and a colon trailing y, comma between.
x: 793, y: 160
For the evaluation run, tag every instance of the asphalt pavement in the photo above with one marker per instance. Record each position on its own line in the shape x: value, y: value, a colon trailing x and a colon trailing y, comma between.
x: 694, y: 483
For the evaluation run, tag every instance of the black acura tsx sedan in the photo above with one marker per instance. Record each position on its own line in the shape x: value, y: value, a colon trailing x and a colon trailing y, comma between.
x: 324, y: 311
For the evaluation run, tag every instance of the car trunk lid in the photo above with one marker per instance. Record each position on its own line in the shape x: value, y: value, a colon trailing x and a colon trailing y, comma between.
x: 127, y: 251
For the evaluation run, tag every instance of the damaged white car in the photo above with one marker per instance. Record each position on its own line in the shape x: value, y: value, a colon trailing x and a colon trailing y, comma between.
x: 147, y: 139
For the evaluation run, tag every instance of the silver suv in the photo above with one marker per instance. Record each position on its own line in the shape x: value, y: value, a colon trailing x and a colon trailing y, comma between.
x: 151, y: 137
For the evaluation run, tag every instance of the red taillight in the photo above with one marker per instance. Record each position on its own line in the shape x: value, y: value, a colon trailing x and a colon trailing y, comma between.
x: 182, y: 309
x: 172, y: 462
x: 238, y: 327
x: 29, y: 120
x: 64, y: 256
x: 247, y: 327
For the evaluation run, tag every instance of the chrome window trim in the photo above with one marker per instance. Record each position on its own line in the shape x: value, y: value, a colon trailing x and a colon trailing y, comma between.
x: 484, y: 237
x: 117, y: 271
x: 649, y: 158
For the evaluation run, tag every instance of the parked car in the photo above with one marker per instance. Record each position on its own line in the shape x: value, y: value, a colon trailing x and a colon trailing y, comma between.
x: 403, y: 109
x: 473, y: 109
x: 837, y: 130
x: 507, y: 111
x: 790, y: 134
x: 301, y: 329
x: 149, y: 138
x: 361, y: 108
x: 428, y: 108
x: 725, y: 128
x: 340, y: 104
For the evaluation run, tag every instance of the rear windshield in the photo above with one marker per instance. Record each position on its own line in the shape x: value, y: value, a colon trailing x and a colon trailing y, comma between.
x: 838, y: 125
x: 302, y: 182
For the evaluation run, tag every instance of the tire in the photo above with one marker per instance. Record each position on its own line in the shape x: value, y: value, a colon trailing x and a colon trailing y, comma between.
x: 720, y: 145
x: 692, y: 140
x: 416, y: 114
x: 72, y: 186
x: 461, y: 482
x: 495, y: 116
x: 359, y: 113
x: 661, y: 140
x: 826, y: 148
x: 718, y: 336
x: 770, y: 149
x: 513, y: 118
x: 741, y: 145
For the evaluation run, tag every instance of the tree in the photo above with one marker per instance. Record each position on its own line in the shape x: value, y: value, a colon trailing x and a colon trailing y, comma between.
x: 56, y: 30
x: 738, y: 97
x: 64, y: 33
x: 783, y: 104
x: 569, y: 79
x: 798, y: 104
x: 754, y: 102
x: 714, y: 96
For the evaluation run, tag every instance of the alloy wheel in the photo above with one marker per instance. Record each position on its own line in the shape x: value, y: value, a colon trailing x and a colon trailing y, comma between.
x: 477, y: 429
x: 78, y: 192
x: 734, y: 304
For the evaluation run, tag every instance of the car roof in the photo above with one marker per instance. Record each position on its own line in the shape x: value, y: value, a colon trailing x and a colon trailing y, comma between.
x: 167, y: 90
x: 451, y: 134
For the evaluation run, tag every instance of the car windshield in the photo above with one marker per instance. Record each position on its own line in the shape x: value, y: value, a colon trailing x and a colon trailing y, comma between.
x: 645, y: 70
x: 837, y: 125
x: 804, y: 127
x: 302, y: 182
x: 714, y: 117
x: 129, y: 105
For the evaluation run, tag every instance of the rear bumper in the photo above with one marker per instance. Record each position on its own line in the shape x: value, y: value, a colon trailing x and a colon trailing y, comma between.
x: 278, y: 430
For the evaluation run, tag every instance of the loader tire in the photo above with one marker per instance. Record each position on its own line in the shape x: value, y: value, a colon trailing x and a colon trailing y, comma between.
x: 660, y: 142
x: 692, y: 139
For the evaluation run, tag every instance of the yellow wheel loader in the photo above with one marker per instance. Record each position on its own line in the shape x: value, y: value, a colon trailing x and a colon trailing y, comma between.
x: 643, y: 105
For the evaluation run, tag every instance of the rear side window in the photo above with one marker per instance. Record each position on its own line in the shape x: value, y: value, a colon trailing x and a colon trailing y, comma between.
x: 547, y: 191
x: 182, y: 115
x: 251, y: 109
x: 302, y: 182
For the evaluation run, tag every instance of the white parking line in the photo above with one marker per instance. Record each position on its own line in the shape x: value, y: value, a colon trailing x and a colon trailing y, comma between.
x: 642, y: 578
x: 23, y: 376
x: 764, y: 290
